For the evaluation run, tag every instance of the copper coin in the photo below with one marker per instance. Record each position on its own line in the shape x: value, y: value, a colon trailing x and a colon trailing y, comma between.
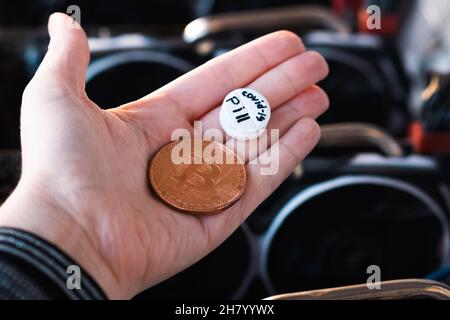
x: 212, y: 178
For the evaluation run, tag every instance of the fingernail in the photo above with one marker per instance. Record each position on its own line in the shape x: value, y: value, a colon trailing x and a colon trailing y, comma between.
x: 59, y: 22
x: 54, y: 23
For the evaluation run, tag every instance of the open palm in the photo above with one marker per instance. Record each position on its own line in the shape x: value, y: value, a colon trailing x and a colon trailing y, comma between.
x: 92, y: 164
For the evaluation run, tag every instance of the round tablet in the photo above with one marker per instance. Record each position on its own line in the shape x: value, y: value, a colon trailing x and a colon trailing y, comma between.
x: 244, y: 114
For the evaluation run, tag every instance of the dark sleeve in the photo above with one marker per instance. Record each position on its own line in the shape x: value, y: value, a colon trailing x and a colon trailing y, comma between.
x: 32, y: 268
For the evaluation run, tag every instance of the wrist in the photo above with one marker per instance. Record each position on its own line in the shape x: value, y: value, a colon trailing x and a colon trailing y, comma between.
x: 35, y: 212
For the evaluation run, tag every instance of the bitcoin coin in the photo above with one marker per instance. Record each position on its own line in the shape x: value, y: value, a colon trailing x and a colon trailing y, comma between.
x: 210, y: 179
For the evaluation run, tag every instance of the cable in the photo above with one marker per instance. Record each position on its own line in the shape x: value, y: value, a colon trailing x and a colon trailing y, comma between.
x: 359, y: 134
x: 440, y: 274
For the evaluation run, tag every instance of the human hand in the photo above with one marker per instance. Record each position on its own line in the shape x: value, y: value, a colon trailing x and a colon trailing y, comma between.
x: 84, y: 183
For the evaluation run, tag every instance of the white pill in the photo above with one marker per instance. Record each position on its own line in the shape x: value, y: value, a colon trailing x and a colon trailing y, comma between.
x: 244, y: 114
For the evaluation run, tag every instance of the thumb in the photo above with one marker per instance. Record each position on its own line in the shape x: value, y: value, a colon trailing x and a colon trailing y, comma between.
x: 67, y: 57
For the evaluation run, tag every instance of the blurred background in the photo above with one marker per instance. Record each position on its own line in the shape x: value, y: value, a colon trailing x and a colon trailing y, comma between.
x: 375, y: 191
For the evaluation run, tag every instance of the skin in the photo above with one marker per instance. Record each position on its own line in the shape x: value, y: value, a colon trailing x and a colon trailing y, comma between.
x: 84, y: 184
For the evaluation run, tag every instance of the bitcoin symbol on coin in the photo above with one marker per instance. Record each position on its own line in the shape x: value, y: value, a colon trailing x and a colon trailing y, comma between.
x: 202, y: 178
